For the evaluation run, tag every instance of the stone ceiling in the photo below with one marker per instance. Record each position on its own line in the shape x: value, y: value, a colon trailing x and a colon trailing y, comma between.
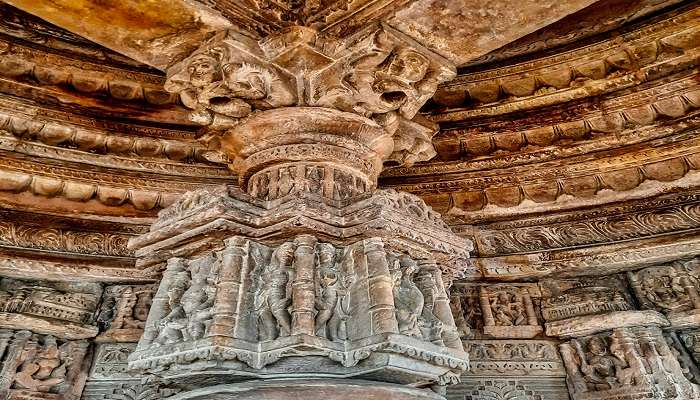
x: 567, y: 142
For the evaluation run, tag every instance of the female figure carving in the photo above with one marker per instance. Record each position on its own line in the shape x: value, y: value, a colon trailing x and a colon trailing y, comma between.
x: 273, y: 298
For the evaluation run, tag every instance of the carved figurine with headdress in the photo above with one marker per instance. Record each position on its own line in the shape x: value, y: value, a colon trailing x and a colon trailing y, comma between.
x: 273, y: 297
x: 408, y: 299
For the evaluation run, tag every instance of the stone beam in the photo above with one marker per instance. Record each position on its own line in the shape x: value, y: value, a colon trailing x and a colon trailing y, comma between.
x: 462, y: 30
x: 156, y: 32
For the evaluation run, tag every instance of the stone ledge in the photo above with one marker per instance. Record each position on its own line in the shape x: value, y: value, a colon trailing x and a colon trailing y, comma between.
x: 591, y: 324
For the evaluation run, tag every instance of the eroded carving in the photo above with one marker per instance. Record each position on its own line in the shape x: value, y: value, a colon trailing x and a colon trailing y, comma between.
x: 41, y: 366
x: 671, y: 289
x: 124, y: 312
x: 65, y: 310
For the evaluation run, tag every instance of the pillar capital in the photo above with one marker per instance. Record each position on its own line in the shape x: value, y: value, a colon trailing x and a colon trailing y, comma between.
x: 356, y: 97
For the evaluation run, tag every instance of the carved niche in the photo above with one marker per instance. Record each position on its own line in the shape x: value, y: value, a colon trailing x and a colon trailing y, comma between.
x: 124, y: 311
x: 43, y: 367
x: 251, y: 305
x: 497, y: 310
x: 62, y: 309
x: 508, y: 311
x: 672, y: 289
x: 625, y: 363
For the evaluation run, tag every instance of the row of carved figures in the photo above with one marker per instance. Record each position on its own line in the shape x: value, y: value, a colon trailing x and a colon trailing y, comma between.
x: 283, y: 274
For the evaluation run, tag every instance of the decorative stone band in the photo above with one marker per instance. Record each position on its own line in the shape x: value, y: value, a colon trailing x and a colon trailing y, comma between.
x: 253, y: 357
x: 592, y: 324
x: 309, y: 389
x: 250, y: 310
x: 202, y: 220
x: 278, y: 151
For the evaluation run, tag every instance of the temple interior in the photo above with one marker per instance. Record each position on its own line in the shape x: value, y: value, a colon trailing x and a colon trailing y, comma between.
x: 349, y: 199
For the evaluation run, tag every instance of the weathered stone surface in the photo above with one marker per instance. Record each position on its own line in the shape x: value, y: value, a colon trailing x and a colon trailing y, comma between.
x: 155, y: 33
x: 339, y: 199
x: 464, y: 30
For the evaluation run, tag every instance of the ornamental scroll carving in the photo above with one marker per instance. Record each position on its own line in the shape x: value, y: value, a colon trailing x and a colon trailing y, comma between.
x: 41, y: 366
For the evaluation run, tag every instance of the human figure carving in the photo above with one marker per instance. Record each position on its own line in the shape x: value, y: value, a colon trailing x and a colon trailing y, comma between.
x: 408, y: 299
x: 332, y: 299
x: 42, y: 368
x: 197, y: 305
x: 171, y: 325
x: 431, y: 326
x: 600, y: 368
x: 508, y: 309
x: 273, y: 297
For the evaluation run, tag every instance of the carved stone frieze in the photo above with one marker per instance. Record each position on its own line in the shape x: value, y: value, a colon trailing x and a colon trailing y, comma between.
x: 70, y: 241
x: 601, y: 259
x: 512, y: 369
x: 509, y: 311
x: 496, y: 310
x: 253, y: 305
x: 41, y: 367
x: 89, y: 140
x: 46, y: 69
x: 203, y: 218
x: 625, y: 363
x: 513, y: 358
x: 110, y: 378
x: 615, y: 222
x: 65, y: 310
x: 564, y: 299
x: 644, y: 49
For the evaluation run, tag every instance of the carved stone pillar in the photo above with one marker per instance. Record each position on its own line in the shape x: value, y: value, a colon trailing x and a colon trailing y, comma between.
x: 307, y: 269
x: 613, y: 351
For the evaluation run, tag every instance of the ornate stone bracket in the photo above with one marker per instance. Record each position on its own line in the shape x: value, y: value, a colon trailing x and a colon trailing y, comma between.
x: 378, y: 73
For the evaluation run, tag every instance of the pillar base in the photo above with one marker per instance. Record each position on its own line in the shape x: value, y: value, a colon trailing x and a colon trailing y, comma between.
x: 309, y: 389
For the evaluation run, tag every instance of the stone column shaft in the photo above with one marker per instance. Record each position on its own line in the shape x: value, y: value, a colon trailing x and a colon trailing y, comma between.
x: 229, y: 294
x: 381, y: 301
x: 303, y: 294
